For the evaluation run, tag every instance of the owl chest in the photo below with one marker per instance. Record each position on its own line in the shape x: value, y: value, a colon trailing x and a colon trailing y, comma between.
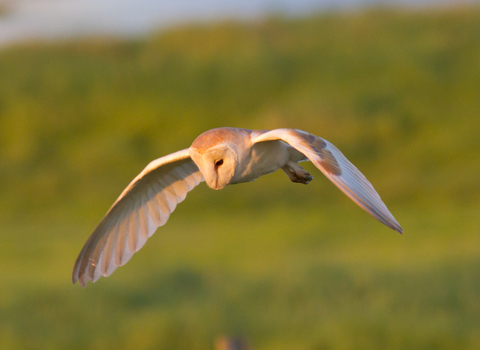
x: 263, y: 158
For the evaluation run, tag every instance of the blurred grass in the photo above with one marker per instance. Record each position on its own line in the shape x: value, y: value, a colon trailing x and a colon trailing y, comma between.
x: 285, y: 266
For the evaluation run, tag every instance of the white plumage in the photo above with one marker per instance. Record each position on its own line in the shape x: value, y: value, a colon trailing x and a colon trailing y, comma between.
x: 219, y: 157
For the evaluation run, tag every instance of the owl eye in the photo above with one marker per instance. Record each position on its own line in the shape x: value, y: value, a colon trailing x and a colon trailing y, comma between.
x: 218, y: 163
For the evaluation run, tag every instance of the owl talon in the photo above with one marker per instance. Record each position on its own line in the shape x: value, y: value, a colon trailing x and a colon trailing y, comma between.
x: 304, y: 179
x: 297, y: 174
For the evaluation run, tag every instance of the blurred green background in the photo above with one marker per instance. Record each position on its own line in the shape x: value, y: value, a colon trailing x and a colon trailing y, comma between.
x: 285, y: 266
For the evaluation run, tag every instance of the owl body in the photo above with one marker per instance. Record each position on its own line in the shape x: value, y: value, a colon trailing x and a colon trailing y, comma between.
x: 262, y: 159
x: 240, y: 159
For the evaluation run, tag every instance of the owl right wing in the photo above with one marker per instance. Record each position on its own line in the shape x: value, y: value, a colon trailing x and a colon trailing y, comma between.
x: 338, y: 169
x: 144, y: 205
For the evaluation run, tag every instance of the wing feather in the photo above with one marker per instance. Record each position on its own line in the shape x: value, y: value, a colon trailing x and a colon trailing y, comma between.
x: 121, y: 241
x: 133, y: 234
x: 338, y: 169
x: 144, y: 205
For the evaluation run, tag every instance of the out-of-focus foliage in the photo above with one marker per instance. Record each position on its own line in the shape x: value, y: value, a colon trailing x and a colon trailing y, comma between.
x: 284, y: 265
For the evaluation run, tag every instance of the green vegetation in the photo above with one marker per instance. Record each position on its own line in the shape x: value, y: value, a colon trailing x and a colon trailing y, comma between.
x: 284, y: 265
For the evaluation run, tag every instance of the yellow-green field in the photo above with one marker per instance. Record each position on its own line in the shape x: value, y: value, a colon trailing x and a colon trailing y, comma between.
x: 283, y: 265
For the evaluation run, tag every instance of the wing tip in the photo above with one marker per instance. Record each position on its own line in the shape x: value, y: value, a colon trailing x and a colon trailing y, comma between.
x: 81, y: 278
x: 80, y: 281
x: 394, y: 225
x: 75, y: 274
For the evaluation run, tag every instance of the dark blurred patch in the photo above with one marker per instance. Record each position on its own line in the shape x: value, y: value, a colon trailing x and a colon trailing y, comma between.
x: 168, y: 290
x: 231, y: 343
x: 3, y: 10
x: 372, y: 105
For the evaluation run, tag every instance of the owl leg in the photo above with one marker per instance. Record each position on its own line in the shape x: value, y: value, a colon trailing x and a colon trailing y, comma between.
x: 296, y: 173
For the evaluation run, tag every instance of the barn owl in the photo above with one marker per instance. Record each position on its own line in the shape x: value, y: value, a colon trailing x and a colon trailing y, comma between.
x: 220, y: 157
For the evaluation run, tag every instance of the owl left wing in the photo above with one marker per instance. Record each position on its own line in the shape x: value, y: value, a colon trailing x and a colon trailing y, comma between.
x: 338, y: 169
x: 144, y: 205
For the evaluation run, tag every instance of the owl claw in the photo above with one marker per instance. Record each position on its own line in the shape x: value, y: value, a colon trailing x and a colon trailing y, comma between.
x: 297, y: 174
x: 303, y: 178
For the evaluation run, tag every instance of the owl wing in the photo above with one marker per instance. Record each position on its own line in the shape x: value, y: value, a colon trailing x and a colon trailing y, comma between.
x: 144, y: 205
x: 336, y: 167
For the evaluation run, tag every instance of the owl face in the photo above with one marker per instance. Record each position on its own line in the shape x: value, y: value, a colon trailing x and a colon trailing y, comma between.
x: 217, y: 165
